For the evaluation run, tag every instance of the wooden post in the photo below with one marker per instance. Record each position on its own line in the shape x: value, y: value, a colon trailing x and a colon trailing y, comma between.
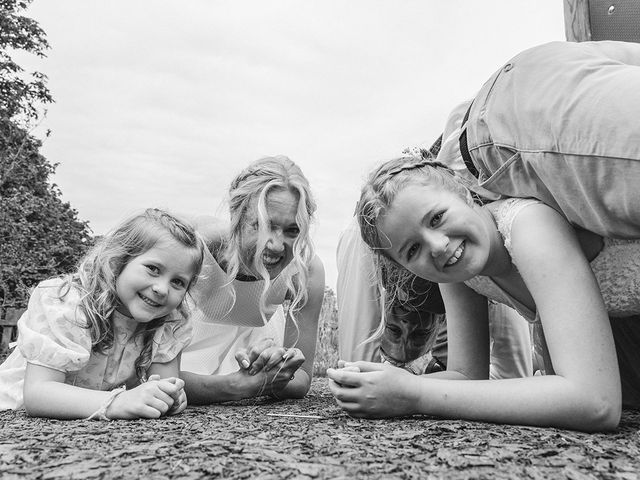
x: 577, y: 26
x: 9, y: 327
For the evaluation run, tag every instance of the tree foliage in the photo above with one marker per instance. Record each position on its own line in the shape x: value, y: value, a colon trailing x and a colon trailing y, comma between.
x: 40, y: 235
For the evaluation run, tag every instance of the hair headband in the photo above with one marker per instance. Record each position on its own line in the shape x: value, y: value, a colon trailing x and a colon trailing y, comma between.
x: 419, y: 164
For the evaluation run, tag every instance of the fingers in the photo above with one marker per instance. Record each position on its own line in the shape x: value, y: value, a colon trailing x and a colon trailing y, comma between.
x: 345, y: 377
x: 345, y: 396
x: 292, y: 360
x: 352, y: 408
x: 256, y: 350
x: 171, y: 384
x: 161, y: 394
x: 179, y: 404
x: 246, y: 357
x: 147, y: 411
x: 267, y: 360
x: 145, y: 401
x: 294, y: 357
x: 242, y: 357
x: 362, y: 366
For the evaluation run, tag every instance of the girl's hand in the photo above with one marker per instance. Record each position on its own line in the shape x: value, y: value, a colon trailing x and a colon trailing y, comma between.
x: 179, y: 397
x: 151, y: 399
x: 372, y: 390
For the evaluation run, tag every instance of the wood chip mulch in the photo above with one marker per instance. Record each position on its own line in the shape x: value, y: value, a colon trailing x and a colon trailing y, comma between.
x: 243, y: 440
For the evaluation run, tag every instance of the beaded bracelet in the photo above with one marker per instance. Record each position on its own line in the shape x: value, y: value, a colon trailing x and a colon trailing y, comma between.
x: 101, y: 413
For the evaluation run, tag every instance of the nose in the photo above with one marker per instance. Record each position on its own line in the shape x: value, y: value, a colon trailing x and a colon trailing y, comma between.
x: 437, y: 242
x: 160, y: 287
x: 275, y: 242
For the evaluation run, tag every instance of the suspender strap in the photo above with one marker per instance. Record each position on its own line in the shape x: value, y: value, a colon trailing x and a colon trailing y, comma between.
x: 464, y: 148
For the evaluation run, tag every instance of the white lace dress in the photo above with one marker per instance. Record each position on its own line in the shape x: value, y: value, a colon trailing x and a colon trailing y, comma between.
x: 616, y: 268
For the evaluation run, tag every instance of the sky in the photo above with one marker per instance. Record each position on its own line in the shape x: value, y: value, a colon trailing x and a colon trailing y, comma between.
x: 161, y: 103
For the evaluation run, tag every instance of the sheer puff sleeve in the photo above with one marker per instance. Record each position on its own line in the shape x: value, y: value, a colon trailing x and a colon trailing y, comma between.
x: 172, y: 338
x: 52, y: 332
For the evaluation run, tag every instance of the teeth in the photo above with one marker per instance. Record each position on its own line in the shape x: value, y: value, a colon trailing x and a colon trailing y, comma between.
x: 148, y: 301
x: 456, y: 255
x: 268, y: 260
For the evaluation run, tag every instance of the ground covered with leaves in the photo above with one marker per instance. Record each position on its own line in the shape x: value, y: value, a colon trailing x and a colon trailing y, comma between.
x: 245, y: 440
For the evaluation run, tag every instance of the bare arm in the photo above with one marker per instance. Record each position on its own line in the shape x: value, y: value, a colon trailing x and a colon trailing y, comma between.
x: 166, y: 370
x: 304, y: 335
x: 46, y: 395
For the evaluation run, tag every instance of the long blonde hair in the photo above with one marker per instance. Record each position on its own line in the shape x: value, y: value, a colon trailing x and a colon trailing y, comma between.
x: 97, y: 272
x: 250, y: 189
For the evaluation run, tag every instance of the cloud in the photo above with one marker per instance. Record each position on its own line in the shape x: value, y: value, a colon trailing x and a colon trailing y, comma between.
x: 162, y: 102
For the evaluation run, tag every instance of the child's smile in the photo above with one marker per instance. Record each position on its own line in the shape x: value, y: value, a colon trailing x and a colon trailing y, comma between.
x: 148, y: 301
x: 435, y: 234
x: 153, y: 284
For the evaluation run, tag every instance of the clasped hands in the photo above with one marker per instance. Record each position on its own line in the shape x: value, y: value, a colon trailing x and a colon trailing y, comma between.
x: 273, y: 366
x: 372, y: 390
x: 151, y: 399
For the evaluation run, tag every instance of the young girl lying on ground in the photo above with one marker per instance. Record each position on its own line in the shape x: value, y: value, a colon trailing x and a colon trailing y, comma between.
x: 105, y: 342
x: 518, y: 252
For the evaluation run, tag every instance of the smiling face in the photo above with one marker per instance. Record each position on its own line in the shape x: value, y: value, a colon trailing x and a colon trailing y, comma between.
x: 154, y: 283
x: 281, y: 231
x: 435, y: 234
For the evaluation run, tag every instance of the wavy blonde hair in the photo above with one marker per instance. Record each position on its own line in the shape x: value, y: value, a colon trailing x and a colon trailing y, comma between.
x: 249, y: 190
x: 97, y: 272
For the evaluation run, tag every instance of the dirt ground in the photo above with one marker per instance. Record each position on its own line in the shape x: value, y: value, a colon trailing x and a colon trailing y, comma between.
x: 244, y: 440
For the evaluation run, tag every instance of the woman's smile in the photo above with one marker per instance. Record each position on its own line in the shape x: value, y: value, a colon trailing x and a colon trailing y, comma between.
x: 270, y: 260
x: 279, y: 238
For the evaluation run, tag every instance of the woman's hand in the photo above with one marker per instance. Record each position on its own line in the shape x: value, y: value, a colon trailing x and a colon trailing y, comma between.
x: 151, y: 399
x: 274, y: 368
x: 267, y: 356
x: 280, y: 358
x: 372, y: 390
x: 246, y: 356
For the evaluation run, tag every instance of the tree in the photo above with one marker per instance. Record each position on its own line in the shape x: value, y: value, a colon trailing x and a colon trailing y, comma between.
x: 40, y: 235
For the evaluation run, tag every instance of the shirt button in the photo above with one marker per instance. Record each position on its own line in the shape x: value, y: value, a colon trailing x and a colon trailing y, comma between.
x: 507, y: 67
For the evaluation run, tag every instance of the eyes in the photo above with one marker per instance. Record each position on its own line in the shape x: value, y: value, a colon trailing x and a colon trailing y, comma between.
x: 433, y: 221
x: 417, y: 337
x: 436, y: 219
x: 178, y: 282
x: 291, y: 231
x: 394, y: 331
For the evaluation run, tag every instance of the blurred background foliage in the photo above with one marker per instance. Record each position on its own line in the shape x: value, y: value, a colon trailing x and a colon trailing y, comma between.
x: 40, y: 234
